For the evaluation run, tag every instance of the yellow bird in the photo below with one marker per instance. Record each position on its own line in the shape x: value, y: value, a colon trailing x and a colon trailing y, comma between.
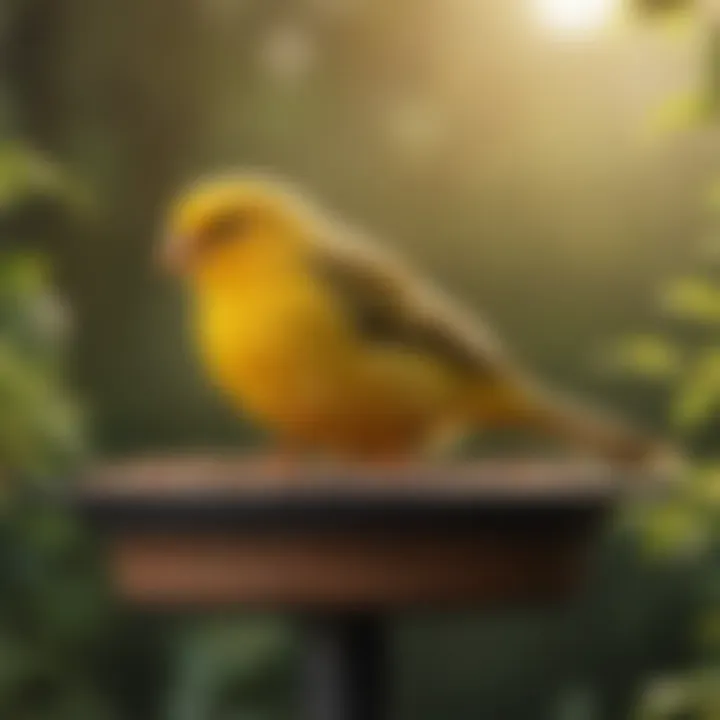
x: 337, y: 346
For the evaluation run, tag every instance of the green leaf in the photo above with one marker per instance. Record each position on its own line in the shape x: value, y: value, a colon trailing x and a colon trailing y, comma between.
x: 697, y: 108
x: 651, y: 356
x: 578, y: 703
x: 23, y: 273
x: 673, y: 17
x: 708, y: 629
x: 40, y: 428
x: 666, y: 699
x: 663, y: 7
x: 26, y: 173
x: 675, y: 530
x: 712, y: 195
x: 680, y: 113
x: 692, y: 298
x: 708, y: 249
x: 699, y: 394
x: 705, y: 486
x: 713, y: 73
x: 695, y: 695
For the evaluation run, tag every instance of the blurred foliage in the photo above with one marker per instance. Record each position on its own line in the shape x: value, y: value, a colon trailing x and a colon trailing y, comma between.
x: 696, y: 697
x: 26, y: 175
x: 698, y: 107
x: 51, y: 607
x: 224, y: 665
x: 660, y: 7
x: 39, y: 424
x: 693, y: 298
x: 688, y: 522
x: 650, y: 356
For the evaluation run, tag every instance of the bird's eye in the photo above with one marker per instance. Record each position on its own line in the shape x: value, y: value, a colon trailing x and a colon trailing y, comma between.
x: 226, y: 226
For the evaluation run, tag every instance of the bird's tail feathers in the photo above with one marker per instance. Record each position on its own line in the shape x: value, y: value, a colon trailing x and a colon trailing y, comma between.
x: 521, y: 405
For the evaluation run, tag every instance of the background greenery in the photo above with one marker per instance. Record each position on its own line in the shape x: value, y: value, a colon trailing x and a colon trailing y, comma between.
x: 566, y: 187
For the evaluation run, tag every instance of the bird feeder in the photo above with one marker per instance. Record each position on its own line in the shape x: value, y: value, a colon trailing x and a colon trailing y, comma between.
x: 344, y: 548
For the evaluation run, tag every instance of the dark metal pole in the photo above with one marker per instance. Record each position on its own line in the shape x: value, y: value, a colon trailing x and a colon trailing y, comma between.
x: 346, y: 668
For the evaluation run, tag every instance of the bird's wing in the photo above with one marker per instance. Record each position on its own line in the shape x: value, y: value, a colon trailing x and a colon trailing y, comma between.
x: 391, y: 303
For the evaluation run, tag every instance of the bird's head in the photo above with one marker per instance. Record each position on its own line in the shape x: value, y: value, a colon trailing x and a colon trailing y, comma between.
x: 215, y: 226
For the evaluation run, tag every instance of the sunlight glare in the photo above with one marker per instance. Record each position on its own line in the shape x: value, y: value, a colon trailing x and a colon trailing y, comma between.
x: 576, y: 17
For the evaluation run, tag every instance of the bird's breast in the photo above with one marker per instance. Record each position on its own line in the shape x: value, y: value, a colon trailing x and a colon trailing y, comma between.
x: 279, y: 348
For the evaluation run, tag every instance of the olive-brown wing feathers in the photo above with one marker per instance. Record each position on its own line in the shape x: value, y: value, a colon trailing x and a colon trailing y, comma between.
x: 390, y: 303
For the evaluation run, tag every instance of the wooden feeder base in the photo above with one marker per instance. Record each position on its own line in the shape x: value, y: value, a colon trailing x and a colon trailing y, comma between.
x: 345, y: 570
x: 345, y: 549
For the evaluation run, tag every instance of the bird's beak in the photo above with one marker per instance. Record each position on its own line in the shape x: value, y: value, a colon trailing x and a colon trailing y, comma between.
x: 174, y: 254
